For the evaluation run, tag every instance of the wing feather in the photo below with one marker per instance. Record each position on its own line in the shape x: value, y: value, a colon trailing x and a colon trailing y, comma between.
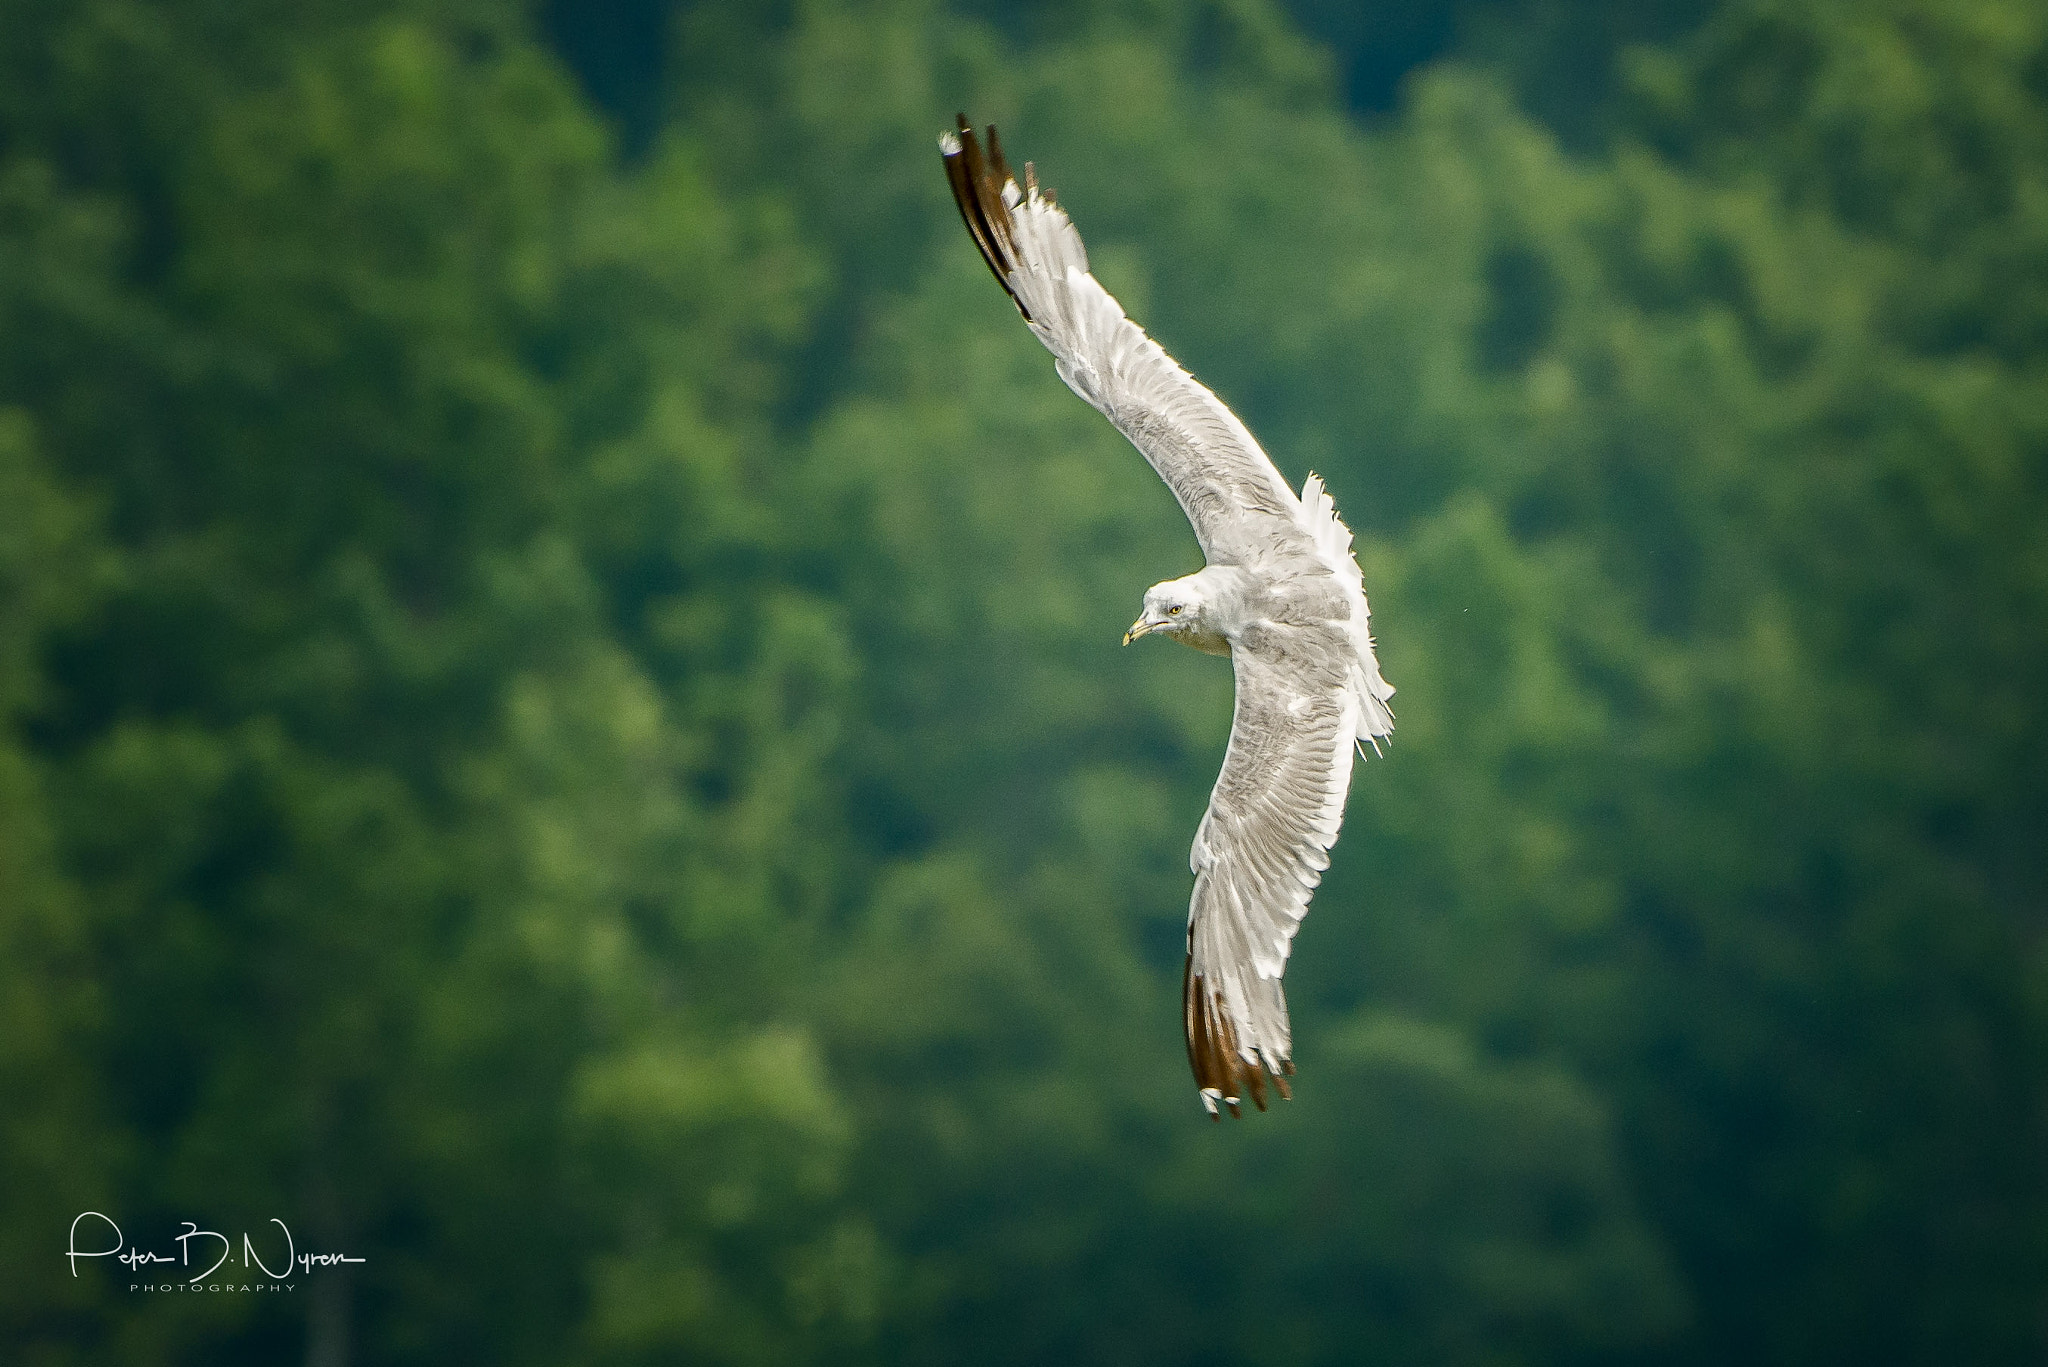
x: 1261, y: 851
x: 1242, y: 511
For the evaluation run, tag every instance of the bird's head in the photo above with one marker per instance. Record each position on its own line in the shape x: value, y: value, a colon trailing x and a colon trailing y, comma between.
x: 1173, y: 607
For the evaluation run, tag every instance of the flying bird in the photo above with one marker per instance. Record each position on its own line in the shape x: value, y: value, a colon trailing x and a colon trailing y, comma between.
x: 1281, y: 595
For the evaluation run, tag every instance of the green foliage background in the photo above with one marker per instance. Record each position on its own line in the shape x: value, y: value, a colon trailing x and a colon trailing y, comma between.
x: 563, y: 731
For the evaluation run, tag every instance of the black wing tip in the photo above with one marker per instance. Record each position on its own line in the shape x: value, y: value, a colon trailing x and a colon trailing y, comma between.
x: 997, y: 162
x: 1221, y: 1072
x: 977, y: 183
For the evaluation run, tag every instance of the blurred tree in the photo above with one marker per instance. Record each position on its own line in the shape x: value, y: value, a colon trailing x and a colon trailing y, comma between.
x: 414, y: 440
x: 993, y: 536
x: 48, y: 568
x: 1582, y: 406
x: 563, y: 729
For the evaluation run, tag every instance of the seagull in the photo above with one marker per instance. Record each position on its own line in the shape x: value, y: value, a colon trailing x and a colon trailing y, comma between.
x: 1281, y: 595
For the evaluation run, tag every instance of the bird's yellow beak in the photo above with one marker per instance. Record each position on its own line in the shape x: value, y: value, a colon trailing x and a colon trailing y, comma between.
x: 1141, y: 627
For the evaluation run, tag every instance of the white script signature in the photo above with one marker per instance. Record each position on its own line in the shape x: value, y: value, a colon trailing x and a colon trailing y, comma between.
x: 139, y: 1257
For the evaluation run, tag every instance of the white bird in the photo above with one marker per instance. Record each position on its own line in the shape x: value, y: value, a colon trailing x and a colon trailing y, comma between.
x: 1281, y: 595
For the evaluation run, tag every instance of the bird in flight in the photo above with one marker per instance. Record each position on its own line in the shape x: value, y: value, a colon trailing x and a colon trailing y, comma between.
x: 1281, y: 595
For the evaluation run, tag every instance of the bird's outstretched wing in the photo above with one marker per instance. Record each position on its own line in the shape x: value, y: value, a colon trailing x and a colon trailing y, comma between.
x: 1261, y: 850
x: 1242, y: 510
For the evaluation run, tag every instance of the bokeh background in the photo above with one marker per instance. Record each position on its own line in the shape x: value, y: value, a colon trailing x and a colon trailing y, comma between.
x: 564, y: 733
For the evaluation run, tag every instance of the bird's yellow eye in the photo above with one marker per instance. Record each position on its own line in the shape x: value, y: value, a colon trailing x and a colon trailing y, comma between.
x: 1173, y: 611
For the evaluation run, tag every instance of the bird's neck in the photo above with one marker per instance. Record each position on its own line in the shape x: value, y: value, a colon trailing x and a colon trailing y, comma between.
x: 1208, y: 642
x: 1223, y: 593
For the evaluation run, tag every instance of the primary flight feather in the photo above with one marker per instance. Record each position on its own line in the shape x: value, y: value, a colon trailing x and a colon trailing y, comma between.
x: 1281, y: 595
